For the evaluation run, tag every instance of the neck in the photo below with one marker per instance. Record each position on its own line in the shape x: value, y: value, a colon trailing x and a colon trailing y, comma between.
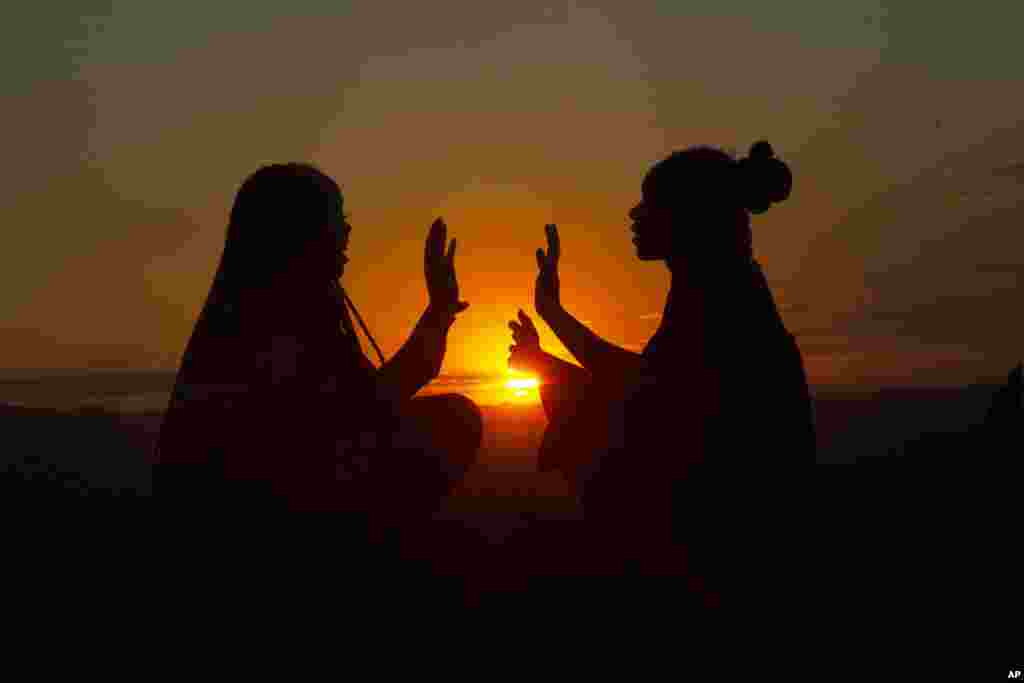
x: 686, y: 281
x: 692, y: 287
x: 691, y: 275
x: 684, y: 298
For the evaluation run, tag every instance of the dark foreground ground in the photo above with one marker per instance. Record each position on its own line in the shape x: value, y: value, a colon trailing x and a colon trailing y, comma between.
x: 508, y: 531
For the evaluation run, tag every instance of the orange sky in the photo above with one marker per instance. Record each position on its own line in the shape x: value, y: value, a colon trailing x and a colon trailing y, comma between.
x: 898, y: 256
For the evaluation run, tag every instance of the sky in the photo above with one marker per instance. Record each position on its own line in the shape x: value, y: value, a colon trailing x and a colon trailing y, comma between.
x: 897, y: 258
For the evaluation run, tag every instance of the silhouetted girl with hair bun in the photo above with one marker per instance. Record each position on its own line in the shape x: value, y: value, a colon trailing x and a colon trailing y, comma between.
x: 719, y: 391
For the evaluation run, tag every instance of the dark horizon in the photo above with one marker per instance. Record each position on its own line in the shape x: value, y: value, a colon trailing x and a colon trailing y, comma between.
x: 28, y: 374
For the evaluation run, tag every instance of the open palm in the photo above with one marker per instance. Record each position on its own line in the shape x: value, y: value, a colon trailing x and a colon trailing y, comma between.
x: 523, y: 332
x: 526, y: 350
x: 546, y: 296
x: 439, y: 270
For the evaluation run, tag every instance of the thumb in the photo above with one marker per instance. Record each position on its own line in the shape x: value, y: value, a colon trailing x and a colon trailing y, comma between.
x: 540, y: 259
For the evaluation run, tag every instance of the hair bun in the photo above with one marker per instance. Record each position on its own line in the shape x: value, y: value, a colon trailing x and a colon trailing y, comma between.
x: 766, y: 179
x: 761, y: 150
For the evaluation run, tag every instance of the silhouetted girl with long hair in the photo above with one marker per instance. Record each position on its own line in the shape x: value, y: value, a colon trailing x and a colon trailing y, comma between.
x: 274, y: 396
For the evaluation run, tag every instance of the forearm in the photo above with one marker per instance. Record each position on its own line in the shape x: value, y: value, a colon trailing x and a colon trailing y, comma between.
x: 602, y: 358
x: 419, y: 359
x: 553, y: 370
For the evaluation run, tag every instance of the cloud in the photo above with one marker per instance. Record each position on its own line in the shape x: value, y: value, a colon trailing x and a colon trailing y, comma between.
x: 1014, y: 170
x: 1016, y: 269
x: 118, y: 290
x: 925, y: 321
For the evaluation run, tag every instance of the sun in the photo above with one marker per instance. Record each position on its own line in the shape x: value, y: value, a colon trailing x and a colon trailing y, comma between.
x: 523, y: 388
x: 522, y: 383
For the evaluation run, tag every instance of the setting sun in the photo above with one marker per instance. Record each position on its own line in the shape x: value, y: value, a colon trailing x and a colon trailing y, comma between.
x: 527, y: 383
x: 523, y: 388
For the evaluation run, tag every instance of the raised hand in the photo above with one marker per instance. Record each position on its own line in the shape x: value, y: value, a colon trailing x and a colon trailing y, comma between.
x: 546, y: 296
x: 527, y: 344
x: 439, y: 270
x: 523, y: 332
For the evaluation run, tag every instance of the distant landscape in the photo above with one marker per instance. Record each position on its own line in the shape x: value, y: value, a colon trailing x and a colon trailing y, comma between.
x: 55, y: 455
x: 852, y: 424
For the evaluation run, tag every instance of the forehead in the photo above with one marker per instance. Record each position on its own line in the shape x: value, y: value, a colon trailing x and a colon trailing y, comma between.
x: 648, y: 192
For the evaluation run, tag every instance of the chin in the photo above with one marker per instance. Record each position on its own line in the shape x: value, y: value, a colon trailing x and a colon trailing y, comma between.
x: 644, y: 254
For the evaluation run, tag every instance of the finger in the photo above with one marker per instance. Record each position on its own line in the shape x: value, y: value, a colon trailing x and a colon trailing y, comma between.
x: 526, y: 321
x: 451, y: 253
x: 435, y: 242
x: 554, y: 244
x: 513, y: 325
x: 429, y: 248
x: 540, y: 259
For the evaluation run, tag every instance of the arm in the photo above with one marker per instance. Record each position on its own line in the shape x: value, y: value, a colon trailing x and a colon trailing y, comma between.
x: 553, y: 370
x: 602, y: 358
x: 559, y: 381
x: 419, y: 359
x: 607, y: 362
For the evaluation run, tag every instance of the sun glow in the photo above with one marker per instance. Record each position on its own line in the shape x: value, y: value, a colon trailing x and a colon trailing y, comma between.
x: 522, y: 383
x: 523, y: 388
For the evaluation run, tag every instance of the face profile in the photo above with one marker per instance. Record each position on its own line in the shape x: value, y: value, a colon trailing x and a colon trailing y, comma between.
x: 696, y: 205
x: 326, y: 256
x: 652, y: 229
x: 339, y: 233
x: 286, y: 231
